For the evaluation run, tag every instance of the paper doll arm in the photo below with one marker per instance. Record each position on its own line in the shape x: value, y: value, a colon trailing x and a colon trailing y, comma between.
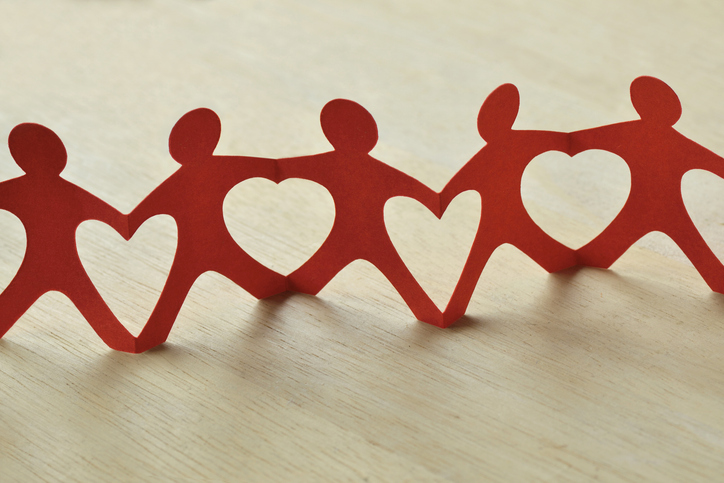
x: 240, y: 168
x: 6, y: 200
x: 604, y: 137
x: 405, y: 185
x: 554, y: 141
x: 302, y: 167
x: 462, y: 181
x: 702, y: 158
x: 96, y: 209
x: 151, y: 206
x: 583, y: 140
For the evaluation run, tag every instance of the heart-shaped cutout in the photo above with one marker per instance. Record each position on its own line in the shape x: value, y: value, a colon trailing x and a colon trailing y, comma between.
x: 574, y: 198
x: 282, y: 225
x: 129, y: 275
x: 434, y: 250
x: 702, y: 193
x: 12, y: 247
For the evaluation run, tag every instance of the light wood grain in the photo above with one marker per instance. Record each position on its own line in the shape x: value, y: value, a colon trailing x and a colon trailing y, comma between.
x: 615, y: 375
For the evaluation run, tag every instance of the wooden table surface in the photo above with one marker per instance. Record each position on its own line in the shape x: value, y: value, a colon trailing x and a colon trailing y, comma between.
x: 613, y: 375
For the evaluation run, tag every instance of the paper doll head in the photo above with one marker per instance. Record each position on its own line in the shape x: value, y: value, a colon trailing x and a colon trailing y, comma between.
x: 37, y: 150
x: 498, y: 112
x: 655, y: 101
x: 348, y: 126
x: 195, y: 136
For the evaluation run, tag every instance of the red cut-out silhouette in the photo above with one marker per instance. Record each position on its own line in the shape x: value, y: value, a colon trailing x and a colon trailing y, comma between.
x: 496, y: 172
x: 51, y: 209
x: 194, y: 197
x: 658, y: 156
x: 360, y: 186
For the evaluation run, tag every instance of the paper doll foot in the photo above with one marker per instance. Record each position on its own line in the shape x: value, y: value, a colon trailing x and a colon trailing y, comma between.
x: 449, y: 317
x: 280, y: 286
x: 569, y: 262
x: 294, y: 285
x: 594, y: 264
x: 3, y: 330
x: 274, y: 287
x: 142, y: 344
x: 587, y: 259
x: 717, y: 287
x: 431, y: 315
x: 126, y: 345
x: 559, y: 263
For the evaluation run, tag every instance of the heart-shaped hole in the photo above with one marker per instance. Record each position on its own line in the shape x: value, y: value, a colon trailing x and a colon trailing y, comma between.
x: 129, y: 275
x: 574, y: 199
x: 12, y: 247
x: 434, y: 250
x: 282, y: 225
x: 702, y: 193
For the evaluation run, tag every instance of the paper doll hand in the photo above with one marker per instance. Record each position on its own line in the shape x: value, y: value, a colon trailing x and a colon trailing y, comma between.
x: 429, y: 198
x: 705, y: 159
x: 139, y: 215
x: 96, y: 209
x: 119, y: 223
x: 604, y: 137
x: 460, y: 182
x: 243, y: 167
x: 116, y: 220
x: 578, y: 142
x: 445, y: 199
x: 412, y: 188
x: 302, y: 167
x: 267, y: 168
x: 283, y: 169
x: 554, y: 141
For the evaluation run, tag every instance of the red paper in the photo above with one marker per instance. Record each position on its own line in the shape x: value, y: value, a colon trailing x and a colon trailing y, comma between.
x: 51, y: 208
x: 496, y: 172
x: 658, y: 156
x: 194, y: 197
x: 360, y: 186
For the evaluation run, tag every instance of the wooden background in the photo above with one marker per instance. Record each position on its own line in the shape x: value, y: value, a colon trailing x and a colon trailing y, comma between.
x: 615, y: 375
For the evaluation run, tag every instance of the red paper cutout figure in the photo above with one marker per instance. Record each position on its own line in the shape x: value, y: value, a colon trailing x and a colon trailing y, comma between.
x: 495, y: 172
x: 51, y: 209
x: 194, y: 197
x: 658, y: 156
x: 360, y: 186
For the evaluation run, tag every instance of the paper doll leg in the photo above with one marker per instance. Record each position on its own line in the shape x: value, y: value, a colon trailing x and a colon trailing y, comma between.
x: 613, y: 242
x: 249, y: 274
x: 546, y: 251
x: 395, y: 270
x: 319, y: 270
x: 480, y: 253
x: 15, y: 300
x: 169, y: 304
x: 96, y: 312
x: 687, y: 237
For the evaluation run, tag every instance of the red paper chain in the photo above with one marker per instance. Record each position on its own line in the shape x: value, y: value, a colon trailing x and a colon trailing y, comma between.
x: 51, y: 208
